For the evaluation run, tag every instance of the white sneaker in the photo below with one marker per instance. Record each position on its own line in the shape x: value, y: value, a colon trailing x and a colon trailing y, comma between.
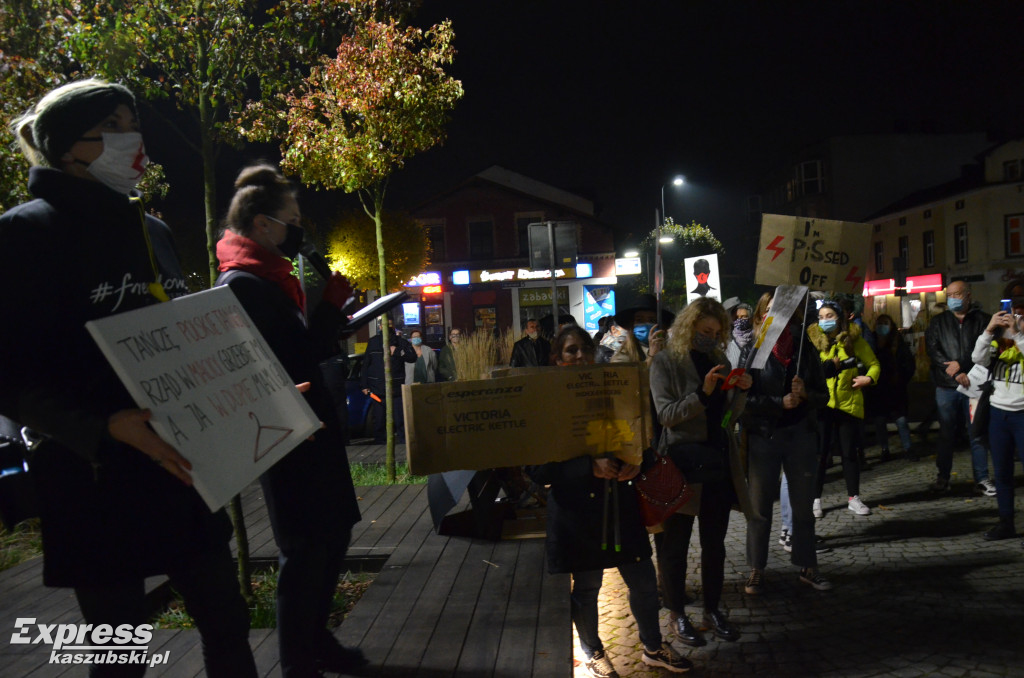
x: 858, y: 507
x: 986, y: 487
x: 818, y: 513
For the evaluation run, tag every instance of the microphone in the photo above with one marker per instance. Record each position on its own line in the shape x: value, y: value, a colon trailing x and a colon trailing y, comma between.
x: 317, y: 260
x: 308, y: 250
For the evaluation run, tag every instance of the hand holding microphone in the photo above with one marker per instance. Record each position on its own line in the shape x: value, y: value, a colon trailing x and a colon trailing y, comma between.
x: 338, y: 292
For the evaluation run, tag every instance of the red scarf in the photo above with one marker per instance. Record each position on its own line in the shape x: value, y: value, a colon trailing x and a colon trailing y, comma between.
x: 783, y: 348
x: 238, y: 252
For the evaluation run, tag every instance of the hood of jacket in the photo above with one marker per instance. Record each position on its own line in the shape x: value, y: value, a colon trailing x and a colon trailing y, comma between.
x: 822, y: 342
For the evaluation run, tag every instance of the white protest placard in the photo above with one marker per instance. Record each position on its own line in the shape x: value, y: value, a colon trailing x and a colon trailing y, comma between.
x: 785, y: 301
x: 217, y: 392
x: 702, y: 279
x: 820, y: 254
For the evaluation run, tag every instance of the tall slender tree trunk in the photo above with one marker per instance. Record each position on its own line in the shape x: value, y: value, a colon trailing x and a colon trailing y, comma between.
x: 389, y: 413
x: 208, y: 153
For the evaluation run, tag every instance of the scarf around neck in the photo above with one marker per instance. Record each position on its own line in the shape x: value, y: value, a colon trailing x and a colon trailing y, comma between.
x: 783, y: 348
x: 236, y: 252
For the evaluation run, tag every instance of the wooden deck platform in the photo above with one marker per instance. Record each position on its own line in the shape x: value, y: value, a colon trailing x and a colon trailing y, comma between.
x: 441, y: 606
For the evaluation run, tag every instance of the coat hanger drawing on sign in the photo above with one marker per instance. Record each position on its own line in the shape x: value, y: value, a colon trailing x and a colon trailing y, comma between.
x: 271, y: 430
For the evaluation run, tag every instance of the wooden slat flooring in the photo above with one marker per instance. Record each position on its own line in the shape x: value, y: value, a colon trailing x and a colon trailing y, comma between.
x: 441, y: 606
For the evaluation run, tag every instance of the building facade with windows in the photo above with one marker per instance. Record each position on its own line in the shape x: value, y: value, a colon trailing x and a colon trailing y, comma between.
x: 480, y: 256
x: 969, y: 229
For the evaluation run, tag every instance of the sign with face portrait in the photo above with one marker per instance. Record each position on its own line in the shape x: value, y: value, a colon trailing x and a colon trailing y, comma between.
x: 702, y: 279
x: 821, y: 254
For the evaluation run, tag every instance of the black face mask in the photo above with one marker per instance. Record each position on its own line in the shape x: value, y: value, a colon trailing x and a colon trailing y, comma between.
x: 292, y: 241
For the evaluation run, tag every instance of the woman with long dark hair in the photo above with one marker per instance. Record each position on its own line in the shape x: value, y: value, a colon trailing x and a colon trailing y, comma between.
x: 116, y: 502
x: 309, y: 493
x: 576, y: 530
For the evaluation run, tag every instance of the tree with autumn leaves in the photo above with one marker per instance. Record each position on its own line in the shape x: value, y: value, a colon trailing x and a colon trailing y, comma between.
x: 356, y: 119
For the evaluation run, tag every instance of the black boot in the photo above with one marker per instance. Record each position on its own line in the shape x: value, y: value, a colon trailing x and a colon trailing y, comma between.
x: 1003, y: 530
x: 685, y: 632
x: 719, y: 624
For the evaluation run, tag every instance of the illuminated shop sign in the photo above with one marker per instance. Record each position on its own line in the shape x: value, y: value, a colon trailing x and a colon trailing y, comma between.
x: 915, y: 284
x: 627, y: 266
x: 431, y: 289
x: 491, y: 275
x: 427, y: 278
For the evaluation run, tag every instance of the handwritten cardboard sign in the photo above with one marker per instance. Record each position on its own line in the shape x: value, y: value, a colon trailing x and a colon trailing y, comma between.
x: 821, y: 254
x: 217, y: 392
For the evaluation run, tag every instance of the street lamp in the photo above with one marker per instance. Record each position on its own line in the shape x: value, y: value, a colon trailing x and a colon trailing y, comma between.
x: 659, y: 274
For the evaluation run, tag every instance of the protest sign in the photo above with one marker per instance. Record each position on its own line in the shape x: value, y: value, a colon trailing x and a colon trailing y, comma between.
x: 820, y: 254
x: 535, y: 416
x: 702, y: 279
x: 784, y: 302
x: 217, y: 392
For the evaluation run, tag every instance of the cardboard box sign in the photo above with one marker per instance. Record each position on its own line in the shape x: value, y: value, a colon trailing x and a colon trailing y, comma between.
x: 535, y: 416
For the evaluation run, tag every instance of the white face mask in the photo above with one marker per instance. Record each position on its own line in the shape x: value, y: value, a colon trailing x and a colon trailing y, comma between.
x: 122, y: 162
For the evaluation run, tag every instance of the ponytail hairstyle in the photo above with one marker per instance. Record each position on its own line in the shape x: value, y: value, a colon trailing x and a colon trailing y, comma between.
x: 259, y: 189
x: 52, y: 126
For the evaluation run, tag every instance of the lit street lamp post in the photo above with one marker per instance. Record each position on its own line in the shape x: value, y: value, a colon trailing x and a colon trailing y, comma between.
x: 659, y: 273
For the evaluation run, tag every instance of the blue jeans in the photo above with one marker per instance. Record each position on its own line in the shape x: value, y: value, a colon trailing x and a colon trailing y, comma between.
x: 643, y: 603
x: 785, y: 507
x: 1005, y: 437
x: 954, y: 411
x: 793, y: 449
x: 882, y: 432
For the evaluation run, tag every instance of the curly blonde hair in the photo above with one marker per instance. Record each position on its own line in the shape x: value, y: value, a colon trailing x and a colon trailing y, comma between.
x: 680, y: 339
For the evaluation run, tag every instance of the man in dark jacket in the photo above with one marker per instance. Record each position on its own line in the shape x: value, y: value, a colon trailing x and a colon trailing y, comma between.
x: 950, y: 338
x: 532, y: 350
x: 373, y: 380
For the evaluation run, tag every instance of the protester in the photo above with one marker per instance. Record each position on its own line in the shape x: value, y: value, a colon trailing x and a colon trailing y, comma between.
x: 581, y: 541
x: 116, y: 502
x: 780, y: 421
x: 999, y: 348
x: 742, y: 332
x: 686, y: 386
x: 950, y: 339
x: 374, y: 383
x: 446, y: 370
x: 310, y: 498
x: 841, y: 348
x: 889, y: 401
x: 424, y: 369
x: 532, y: 350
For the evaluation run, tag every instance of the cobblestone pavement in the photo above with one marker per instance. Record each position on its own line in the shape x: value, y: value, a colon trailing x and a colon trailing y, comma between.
x: 918, y: 591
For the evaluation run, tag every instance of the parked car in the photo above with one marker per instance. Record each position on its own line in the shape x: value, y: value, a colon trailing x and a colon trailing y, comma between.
x: 342, y: 374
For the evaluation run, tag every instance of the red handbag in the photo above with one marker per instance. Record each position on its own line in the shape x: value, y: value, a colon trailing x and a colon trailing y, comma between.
x: 661, y: 490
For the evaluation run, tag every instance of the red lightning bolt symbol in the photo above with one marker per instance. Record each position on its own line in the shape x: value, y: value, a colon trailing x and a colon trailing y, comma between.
x: 854, y: 279
x: 774, y: 247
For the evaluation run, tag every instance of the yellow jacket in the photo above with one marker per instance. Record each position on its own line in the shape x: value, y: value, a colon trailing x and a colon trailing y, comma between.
x: 849, y: 344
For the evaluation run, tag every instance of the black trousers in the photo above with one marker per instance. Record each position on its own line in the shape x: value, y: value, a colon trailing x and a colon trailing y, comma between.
x: 673, y: 545
x: 209, y: 586
x: 837, y: 425
x: 305, y: 589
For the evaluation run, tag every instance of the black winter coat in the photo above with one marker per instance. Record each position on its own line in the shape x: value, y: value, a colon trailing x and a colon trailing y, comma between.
x: 575, y: 520
x: 888, y: 398
x: 764, y: 411
x: 373, y: 367
x: 531, y: 352
x: 949, y: 339
x: 309, y: 492
x: 79, y: 252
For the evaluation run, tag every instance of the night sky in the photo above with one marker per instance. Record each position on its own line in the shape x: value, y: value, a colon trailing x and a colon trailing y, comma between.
x: 610, y: 100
